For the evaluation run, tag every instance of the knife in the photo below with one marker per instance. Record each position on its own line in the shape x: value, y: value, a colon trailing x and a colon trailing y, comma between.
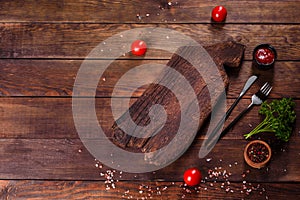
x: 213, y: 137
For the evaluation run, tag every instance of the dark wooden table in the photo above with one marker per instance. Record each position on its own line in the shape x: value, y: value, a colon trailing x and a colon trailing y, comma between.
x: 42, y: 46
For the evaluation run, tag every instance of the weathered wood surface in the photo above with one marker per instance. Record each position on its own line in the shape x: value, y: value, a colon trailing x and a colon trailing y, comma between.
x: 56, y: 78
x: 166, y: 95
x: 53, y: 118
x: 189, y: 11
x: 42, y: 45
x: 76, y: 40
x: 67, y: 159
x: 139, y: 190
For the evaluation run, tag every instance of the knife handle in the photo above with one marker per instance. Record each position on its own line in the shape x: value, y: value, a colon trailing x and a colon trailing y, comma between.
x: 232, y: 107
x: 225, y: 116
x: 235, y: 121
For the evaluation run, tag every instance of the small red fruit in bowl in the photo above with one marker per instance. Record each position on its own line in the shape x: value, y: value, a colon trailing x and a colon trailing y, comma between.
x: 192, y: 176
x: 219, y: 13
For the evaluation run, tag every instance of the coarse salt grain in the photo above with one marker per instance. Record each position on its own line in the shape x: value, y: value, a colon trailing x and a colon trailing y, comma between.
x: 138, y: 16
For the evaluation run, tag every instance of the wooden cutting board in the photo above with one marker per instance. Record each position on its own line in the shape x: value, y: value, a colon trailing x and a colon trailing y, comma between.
x: 229, y: 54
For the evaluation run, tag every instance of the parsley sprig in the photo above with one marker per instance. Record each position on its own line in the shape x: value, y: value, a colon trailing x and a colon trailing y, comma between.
x: 280, y: 116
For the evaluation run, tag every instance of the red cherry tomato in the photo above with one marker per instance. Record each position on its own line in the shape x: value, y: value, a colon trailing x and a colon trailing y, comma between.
x: 138, y: 48
x: 219, y: 13
x: 192, y: 176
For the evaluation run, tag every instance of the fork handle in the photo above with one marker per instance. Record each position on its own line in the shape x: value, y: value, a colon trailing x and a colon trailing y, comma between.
x: 235, y: 121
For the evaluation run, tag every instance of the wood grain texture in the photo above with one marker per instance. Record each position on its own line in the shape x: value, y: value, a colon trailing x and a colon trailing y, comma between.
x: 48, y: 40
x: 53, y: 118
x: 67, y: 159
x: 189, y: 11
x: 22, y: 77
x: 175, y: 107
x: 42, y: 45
x: 51, y: 148
x: 139, y: 190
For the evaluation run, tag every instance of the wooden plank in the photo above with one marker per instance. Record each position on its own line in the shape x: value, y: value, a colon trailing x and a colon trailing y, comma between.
x: 51, y: 118
x: 189, y: 11
x: 57, y: 77
x: 64, y: 40
x: 67, y: 159
x: 22, y: 77
x: 141, y: 190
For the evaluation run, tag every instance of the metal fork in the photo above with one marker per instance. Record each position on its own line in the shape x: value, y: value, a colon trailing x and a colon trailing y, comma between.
x: 256, y: 99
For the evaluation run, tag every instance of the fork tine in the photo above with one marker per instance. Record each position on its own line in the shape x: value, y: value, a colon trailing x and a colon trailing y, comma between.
x: 264, y: 87
x: 263, y: 92
x: 268, y: 91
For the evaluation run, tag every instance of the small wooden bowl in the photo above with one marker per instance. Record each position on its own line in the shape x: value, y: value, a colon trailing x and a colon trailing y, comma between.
x: 249, y: 161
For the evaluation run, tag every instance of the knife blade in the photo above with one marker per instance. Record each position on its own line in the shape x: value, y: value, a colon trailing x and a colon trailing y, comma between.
x: 213, y: 137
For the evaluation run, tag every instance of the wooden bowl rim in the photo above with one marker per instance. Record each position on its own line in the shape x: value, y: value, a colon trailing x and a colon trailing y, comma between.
x: 254, y: 164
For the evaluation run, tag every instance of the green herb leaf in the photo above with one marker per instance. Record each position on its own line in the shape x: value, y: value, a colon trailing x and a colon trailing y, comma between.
x: 280, y: 116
